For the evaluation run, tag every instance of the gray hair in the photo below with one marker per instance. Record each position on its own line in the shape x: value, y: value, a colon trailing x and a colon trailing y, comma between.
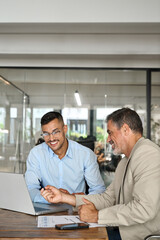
x: 128, y: 116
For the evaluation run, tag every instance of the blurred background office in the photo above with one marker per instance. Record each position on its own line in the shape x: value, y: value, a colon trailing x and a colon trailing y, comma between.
x: 106, y: 53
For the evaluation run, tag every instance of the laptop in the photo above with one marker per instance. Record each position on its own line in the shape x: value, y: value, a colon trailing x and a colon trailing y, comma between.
x: 14, y: 196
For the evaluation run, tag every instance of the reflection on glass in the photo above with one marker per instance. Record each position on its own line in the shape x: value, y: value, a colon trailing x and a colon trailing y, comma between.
x: 155, y: 109
x: 53, y: 89
x: 12, y: 141
x: 77, y: 122
x: 37, y: 115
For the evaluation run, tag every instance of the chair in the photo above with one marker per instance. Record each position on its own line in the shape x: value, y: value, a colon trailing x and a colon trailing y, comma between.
x: 88, y: 141
x: 151, y: 237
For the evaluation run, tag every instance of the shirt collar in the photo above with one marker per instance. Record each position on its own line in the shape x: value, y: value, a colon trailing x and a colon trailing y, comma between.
x: 68, y: 153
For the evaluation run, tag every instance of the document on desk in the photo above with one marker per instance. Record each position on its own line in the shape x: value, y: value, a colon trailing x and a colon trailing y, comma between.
x: 51, y: 221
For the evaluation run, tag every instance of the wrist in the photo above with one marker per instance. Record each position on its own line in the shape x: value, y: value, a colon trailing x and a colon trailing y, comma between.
x: 69, y: 199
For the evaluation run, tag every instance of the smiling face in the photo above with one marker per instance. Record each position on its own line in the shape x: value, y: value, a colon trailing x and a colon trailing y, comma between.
x: 56, y: 141
x: 116, y: 138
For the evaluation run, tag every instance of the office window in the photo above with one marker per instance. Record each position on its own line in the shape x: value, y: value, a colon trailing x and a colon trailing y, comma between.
x: 77, y: 122
x: 13, y: 116
x: 2, y: 117
x: 101, y: 91
x: 37, y: 114
x: 155, y: 108
x: 12, y: 127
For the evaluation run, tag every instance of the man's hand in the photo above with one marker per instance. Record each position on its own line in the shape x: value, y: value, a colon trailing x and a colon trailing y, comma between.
x: 88, y: 212
x: 54, y: 195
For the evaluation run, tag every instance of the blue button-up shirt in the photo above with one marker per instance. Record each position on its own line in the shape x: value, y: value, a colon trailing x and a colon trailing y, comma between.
x: 79, y: 164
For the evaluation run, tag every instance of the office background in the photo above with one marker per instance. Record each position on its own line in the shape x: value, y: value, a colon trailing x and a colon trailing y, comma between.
x: 107, y: 51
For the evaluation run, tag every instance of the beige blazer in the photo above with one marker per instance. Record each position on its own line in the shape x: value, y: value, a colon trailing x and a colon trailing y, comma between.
x: 132, y: 201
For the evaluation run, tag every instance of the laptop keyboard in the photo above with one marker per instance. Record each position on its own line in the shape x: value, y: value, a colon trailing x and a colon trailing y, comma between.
x: 40, y: 209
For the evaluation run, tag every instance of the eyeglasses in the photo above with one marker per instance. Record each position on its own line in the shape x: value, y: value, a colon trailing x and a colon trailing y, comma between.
x: 47, y: 135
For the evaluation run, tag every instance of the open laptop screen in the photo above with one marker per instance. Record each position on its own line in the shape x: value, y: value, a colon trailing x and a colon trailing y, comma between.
x: 16, y: 197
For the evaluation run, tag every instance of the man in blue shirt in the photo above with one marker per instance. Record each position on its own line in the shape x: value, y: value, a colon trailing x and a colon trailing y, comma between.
x: 60, y: 162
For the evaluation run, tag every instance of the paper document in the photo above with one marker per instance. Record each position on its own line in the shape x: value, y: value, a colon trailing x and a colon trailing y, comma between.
x: 51, y: 221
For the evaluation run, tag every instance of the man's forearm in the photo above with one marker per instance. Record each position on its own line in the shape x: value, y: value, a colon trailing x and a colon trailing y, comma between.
x: 69, y: 199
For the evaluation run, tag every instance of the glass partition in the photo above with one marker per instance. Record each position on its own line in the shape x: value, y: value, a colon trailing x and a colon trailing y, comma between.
x: 13, y: 144
x: 155, y: 108
x: 101, y: 91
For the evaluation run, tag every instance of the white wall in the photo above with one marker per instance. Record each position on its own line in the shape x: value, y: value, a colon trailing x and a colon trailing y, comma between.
x: 86, y: 33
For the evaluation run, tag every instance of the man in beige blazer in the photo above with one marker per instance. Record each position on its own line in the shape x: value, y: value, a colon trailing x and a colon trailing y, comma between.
x: 132, y: 202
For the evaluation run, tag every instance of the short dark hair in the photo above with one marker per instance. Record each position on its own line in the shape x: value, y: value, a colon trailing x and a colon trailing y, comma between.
x: 128, y: 116
x: 48, y: 117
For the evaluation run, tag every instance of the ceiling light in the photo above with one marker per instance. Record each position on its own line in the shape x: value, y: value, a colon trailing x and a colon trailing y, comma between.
x: 77, y: 97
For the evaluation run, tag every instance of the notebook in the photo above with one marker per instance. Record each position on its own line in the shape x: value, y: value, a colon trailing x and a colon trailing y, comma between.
x: 14, y: 196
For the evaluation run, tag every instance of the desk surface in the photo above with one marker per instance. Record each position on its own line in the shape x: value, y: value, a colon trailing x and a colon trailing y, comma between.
x: 22, y: 226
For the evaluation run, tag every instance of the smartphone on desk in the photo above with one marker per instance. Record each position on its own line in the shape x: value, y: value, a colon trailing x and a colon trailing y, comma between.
x: 71, y: 226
